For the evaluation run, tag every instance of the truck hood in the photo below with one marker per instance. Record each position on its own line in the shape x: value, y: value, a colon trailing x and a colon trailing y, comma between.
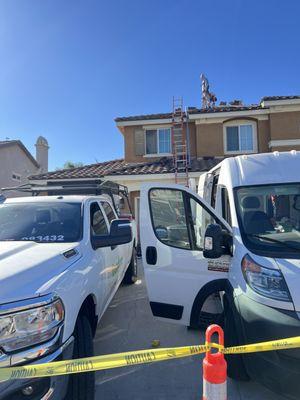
x: 27, y: 267
x: 291, y: 272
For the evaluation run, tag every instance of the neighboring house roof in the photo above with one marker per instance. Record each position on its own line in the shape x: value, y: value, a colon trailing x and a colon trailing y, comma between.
x: 6, y: 143
x: 120, y: 167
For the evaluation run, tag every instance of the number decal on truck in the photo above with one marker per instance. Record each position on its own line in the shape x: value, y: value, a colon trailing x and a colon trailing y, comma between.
x: 47, y: 238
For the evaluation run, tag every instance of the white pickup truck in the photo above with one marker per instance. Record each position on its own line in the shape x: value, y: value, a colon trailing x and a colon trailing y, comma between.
x: 62, y: 258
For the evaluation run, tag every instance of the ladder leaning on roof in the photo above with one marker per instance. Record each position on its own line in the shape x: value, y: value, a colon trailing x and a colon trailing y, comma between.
x: 179, y: 141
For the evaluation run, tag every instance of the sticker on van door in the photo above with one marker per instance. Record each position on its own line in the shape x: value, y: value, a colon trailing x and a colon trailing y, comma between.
x: 218, y: 266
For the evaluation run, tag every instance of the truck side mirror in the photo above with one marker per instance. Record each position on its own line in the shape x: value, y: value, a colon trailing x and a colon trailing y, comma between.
x: 214, y: 241
x: 120, y: 233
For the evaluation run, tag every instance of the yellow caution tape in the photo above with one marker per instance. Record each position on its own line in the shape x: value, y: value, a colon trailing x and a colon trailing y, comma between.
x: 99, y: 362
x: 136, y: 357
x: 281, y: 344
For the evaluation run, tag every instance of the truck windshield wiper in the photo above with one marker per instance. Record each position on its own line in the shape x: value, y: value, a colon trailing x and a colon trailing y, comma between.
x: 289, y: 246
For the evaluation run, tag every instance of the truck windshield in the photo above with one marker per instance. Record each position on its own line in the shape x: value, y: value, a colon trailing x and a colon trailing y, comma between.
x: 40, y: 222
x: 269, y: 219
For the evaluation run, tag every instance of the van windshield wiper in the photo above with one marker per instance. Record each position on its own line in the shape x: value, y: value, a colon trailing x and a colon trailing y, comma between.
x: 289, y: 246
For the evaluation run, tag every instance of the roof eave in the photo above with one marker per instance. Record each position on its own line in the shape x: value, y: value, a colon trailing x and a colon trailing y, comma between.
x: 228, y: 114
x: 136, y: 122
x: 286, y: 102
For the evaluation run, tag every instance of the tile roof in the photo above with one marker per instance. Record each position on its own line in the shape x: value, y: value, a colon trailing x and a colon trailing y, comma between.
x: 273, y: 98
x: 212, y: 110
x: 225, y: 108
x: 87, y: 171
x: 165, y: 166
x: 192, y: 110
x: 144, y: 117
x: 120, y: 167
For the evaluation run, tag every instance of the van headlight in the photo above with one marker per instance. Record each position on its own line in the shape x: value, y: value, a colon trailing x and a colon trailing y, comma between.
x: 30, y: 327
x: 265, y: 281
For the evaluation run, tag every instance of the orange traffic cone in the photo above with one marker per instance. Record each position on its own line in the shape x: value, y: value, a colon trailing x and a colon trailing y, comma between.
x: 214, y: 369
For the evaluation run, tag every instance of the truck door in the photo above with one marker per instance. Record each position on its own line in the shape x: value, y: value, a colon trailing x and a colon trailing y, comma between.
x: 103, y: 259
x: 118, y: 253
x: 173, y: 221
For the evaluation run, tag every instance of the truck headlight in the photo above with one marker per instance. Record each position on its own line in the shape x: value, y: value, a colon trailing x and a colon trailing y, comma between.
x: 265, y: 281
x: 30, y: 327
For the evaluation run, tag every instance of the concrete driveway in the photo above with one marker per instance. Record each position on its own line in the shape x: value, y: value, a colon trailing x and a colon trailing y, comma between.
x: 128, y: 325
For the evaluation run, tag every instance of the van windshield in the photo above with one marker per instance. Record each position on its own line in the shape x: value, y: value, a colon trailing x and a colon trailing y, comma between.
x: 269, y: 219
x: 40, y: 222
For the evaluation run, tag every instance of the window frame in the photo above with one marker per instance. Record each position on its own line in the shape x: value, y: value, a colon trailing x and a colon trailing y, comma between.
x: 214, y: 189
x: 102, y: 202
x: 238, y: 124
x: 104, y: 217
x: 226, y: 207
x: 188, y: 217
x: 158, y: 153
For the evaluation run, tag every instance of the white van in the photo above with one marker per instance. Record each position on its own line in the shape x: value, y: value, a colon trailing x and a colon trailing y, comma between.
x: 241, y: 244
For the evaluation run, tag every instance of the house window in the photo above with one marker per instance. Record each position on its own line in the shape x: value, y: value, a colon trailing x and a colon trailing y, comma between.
x: 158, y: 141
x: 16, y: 177
x: 240, y: 138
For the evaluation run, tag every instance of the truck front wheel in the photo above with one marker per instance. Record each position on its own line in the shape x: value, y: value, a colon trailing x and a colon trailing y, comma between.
x: 82, y: 386
x: 235, y: 365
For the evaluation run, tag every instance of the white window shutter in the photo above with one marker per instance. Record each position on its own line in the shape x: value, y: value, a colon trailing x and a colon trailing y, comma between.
x: 139, y: 142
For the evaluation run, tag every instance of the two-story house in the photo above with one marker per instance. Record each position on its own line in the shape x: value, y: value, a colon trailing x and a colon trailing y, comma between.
x: 212, y: 133
x: 17, y: 163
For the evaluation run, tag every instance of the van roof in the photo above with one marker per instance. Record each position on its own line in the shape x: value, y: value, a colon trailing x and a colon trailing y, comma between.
x: 265, y: 168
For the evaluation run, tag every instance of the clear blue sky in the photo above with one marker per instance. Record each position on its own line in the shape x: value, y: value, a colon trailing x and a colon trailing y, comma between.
x: 69, y: 67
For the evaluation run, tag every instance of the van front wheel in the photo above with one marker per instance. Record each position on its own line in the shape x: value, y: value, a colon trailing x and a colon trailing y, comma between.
x: 235, y: 365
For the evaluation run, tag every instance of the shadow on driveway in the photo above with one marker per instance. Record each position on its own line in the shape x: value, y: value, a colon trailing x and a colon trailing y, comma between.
x: 128, y: 325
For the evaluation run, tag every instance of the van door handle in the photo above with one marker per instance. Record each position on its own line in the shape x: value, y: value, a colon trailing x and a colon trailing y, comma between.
x: 151, y: 255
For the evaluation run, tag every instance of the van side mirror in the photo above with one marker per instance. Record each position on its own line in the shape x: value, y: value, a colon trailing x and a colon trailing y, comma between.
x: 216, y: 241
x: 120, y: 233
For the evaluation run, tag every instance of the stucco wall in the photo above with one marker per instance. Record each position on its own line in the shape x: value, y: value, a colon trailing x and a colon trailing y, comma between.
x: 285, y: 125
x: 263, y: 136
x: 14, y: 160
x: 285, y: 148
x: 209, y: 139
x: 193, y: 140
x: 132, y: 197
